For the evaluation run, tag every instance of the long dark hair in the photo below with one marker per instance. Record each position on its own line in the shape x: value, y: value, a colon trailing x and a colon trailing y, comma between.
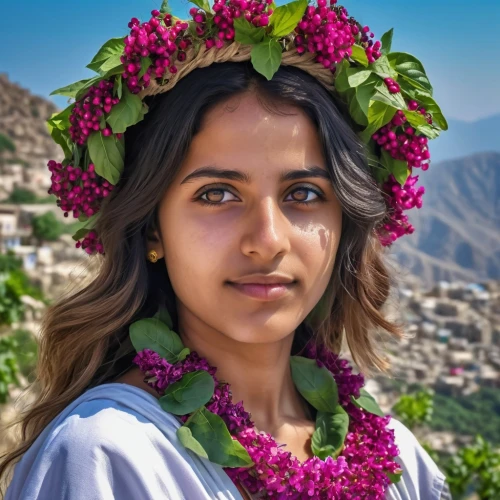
x: 84, y: 336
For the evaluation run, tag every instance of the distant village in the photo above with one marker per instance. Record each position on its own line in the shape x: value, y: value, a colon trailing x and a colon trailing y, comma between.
x: 453, y: 346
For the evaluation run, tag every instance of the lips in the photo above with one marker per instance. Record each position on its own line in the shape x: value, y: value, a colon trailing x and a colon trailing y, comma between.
x: 263, y: 291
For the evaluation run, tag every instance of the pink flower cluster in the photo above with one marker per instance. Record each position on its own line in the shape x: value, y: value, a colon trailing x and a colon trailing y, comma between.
x: 256, y: 12
x: 331, y: 33
x: 280, y: 475
x: 91, y: 243
x: 160, y: 374
x: 359, y: 472
x: 400, y: 198
x: 402, y: 143
x: 86, y: 116
x: 78, y: 191
x: 158, y: 39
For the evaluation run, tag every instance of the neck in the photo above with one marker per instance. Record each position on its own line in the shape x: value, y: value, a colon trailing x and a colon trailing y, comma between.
x: 259, y: 374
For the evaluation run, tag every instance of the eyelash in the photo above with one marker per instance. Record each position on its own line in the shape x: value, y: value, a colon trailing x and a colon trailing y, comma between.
x: 320, y: 197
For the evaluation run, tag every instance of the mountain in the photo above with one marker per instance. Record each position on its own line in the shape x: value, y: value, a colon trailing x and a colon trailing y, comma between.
x: 457, y: 230
x: 22, y: 121
x: 466, y: 138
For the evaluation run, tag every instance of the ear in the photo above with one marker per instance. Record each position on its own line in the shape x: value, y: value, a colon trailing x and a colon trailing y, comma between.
x: 153, y: 242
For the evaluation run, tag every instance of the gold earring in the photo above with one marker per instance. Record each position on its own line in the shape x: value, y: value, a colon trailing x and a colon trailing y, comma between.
x: 152, y: 256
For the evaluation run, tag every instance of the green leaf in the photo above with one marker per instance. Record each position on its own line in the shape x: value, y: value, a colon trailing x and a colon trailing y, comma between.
x: 359, y: 103
x: 62, y: 138
x: 187, y: 440
x: 76, y: 155
x: 145, y: 64
x: 414, y: 118
x: 83, y: 90
x: 112, y: 70
x: 246, y: 32
x: 165, y: 9
x: 382, y: 94
x: 429, y: 131
x: 126, y: 113
x: 419, y: 122
x: 163, y: 315
x: 106, y: 156
x: 72, y: 89
x: 81, y: 233
x: 266, y: 57
x: 151, y: 333
x: 202, y: 4
x: 398, y: 168
x: 118, y: 87
x: 316, y: 384
x: 379, y: 114
x: 210, y: 431
x: 387, y: 41
x: 183, y: 354
x: 61, y: 120
x: 341, y: 78
x: 357, y: 76
x: 111, y: 48
x: 368, y: 403
x: 359, y: 55
x: 111, y: 66
x: 120, y: 144
x: 331, y: 430
x: 394, y: 477
x: 383, y: 68
x: 285, y: 18
x: 424, y: 98
x: 193, y: 390
x: 410, y: 67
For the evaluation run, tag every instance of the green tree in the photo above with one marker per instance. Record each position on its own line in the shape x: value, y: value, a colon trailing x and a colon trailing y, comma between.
x: 9, y: 368
x: 6, y: 144
x: 11, y: 306
x: 415, y: 409
x: 46, y: 227
x: 476, y: 466
x: 21, y: 195
x: 9, y: 262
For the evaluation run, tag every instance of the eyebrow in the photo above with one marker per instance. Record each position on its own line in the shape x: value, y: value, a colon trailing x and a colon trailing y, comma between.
x: 237, y: 175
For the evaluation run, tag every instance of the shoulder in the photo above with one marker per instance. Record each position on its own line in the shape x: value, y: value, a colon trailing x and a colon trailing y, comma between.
x: 101, y: 424
x: 100, y: 447
x: 421, y: 479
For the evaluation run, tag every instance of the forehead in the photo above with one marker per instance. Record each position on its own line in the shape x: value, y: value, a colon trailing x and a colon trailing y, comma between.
x: 242, y: 130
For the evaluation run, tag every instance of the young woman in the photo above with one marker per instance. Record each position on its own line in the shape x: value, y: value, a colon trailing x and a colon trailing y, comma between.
x: 246, y: 210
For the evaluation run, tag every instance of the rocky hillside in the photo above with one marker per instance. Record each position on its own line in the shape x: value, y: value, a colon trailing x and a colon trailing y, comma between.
x: 22, y: 119
x: 457, y: 233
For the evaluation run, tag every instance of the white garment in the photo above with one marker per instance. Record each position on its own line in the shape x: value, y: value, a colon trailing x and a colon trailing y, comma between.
x: 115, y: 442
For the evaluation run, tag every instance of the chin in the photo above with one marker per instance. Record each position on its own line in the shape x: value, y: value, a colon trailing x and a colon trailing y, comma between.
x: 262, y: 333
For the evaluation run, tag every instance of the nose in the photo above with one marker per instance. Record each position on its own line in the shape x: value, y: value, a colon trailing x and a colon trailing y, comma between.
x: 266, y: 231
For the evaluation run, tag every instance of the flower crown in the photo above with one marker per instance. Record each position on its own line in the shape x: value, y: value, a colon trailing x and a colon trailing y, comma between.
x: 388, y: 94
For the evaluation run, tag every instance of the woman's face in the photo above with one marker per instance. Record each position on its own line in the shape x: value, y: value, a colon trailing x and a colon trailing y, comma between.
x: 250, y: 226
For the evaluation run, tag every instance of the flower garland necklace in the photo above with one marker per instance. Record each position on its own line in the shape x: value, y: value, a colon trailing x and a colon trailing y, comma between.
x: 353, y: 450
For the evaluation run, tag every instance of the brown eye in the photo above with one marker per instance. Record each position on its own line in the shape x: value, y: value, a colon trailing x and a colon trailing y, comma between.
x: 300, y: 194
x: 215, y: 195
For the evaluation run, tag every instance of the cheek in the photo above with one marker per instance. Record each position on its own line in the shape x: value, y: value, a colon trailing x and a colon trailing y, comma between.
x: 195, y: 249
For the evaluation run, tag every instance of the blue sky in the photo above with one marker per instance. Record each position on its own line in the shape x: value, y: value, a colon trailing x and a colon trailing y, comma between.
x: 47, y: 44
